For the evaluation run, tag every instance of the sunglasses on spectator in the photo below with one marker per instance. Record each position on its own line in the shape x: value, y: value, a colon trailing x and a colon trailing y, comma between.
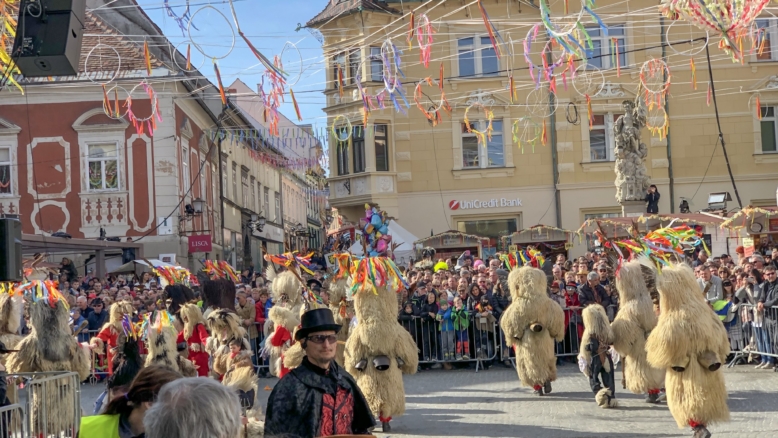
x: 769, y: 273
x: 320, y: 339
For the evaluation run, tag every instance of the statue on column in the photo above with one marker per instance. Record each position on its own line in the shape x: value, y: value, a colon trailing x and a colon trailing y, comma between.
x: 631, y: 178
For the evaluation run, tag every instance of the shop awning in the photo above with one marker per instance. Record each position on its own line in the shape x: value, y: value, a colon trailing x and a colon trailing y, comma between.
x: 755, y: 220
x: 620, y: 226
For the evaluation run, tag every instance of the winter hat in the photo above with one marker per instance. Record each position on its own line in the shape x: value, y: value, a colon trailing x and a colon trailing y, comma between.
x: 478, y: 263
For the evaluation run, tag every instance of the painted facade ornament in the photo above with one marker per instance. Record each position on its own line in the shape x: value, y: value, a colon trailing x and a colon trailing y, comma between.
x: 631, y: 178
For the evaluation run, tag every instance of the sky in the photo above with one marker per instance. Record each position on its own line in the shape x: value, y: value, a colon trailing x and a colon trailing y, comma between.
x: 269, y: 25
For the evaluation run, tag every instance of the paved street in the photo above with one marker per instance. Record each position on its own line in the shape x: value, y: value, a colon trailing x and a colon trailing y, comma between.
x: 491, y: 404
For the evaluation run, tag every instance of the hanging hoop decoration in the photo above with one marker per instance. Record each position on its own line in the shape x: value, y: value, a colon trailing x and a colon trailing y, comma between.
x: 538, y: 103
x: 563, y: 30
x: 149, y: 122
x: 198, y: 47
x: 183, y: 21
x: 424, y: 33
x: 113, y: 104
x: 548, y: 70
x: 571, y: 114
x: 299, y: 56
x: 691, y: 40
x: 526, y: 132
x: 391, y: 72
x: 657, y: 121
x: 588, y: 80
x: 336, y: 127
x: 755, y: 105
x: 189, y: 67
x: 652, y: 79
x: 433, y: 112
x: 488, y: 115
x: 729, y: 19
x: 97, y: 57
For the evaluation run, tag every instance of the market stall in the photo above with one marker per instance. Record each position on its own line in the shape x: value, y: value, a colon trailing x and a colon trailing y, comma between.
x: 760, y: 225
x: 451, y: 243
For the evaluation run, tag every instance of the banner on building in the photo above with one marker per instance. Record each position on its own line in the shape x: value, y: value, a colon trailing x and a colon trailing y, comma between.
x: 200, y: 243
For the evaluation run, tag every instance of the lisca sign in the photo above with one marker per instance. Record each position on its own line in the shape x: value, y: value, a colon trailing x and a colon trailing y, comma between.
x: 486, y: 203
x: 200, y: 243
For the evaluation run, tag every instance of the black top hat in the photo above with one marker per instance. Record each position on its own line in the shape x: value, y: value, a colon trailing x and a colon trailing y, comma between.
x: 316, y: 320
x: 314, y: 282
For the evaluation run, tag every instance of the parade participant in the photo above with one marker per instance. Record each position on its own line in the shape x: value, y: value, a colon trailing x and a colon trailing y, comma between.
x: 285, y: 315
x: 11, y: 314
x: 242, y: 379
x: 124, y: 415
x: 531, y: 325
x: 342, y: 308
x: 175, y: 296
x: 160, y: 338
x: 690, y: 343
x: 379, y: 350
x: 196, y: 337
x: 108, y: 337
x: 127, y: 363
x: 318, y: 398
x: 427, y: 259
x: 631, y: 327
x: 224, y: 326
x: 596, y: 341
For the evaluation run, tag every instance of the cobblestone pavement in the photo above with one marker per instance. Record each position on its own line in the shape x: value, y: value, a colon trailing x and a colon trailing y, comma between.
x: 463, y: 403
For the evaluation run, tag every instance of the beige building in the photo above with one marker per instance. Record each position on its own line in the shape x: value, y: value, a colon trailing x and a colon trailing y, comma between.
x: 436, y: 178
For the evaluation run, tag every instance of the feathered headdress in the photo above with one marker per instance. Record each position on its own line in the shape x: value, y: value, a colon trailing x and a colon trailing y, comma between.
x: 372, y: 272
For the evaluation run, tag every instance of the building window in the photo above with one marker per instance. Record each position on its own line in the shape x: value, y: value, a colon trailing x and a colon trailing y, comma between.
x: 103, y: 165
x: 235, y: 181
x: 768, y: 31
x: 338, y: 64
x: 601, y: 140
x: 253, y: 195
x: 342, y: 151
x: 381, y: 148
x: 266, y: 207
x: 358, y: 144
x: 478, y: 156
x: 244, y: 182
x: 354, y: 65
x: 476, y: 57
x: 376, y: 65
x: 5, y: 171
x: 185, y: 184
x: 278, y: 207
x: 202, y: 170
x: 225, y: 187
x: 769, y: 127
x: 601, y: 54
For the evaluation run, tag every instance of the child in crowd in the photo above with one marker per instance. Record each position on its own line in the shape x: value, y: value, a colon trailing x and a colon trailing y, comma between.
x: 447, y: 336
x: 460, y: 317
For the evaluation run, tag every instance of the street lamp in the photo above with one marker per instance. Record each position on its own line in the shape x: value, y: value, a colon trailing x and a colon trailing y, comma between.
x: 197, y: 205
x: 192, y: 210
x: 257, y: 222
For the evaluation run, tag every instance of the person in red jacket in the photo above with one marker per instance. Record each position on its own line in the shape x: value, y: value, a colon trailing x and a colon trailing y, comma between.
x: 107, y: 340
x: 195, y: 335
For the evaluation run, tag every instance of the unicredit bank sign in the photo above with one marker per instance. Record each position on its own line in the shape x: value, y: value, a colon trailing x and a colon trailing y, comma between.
x: 485, y: 203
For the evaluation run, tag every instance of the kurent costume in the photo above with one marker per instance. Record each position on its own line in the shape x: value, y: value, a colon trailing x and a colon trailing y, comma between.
x: 340, y: 306
x: 107, y: 340
x: 11, y: 313
x: 379, y: 350
x: 690, y: 342
x: 224, y: 326
x: 595, y: 345
x: 285, y: 316
x: 631, y: 327
x: 50, y: 346
x: 241, y: 378
x: 161, y: 344
x: 532, y: 324
x: 196, y: 337
x: 312, y: 402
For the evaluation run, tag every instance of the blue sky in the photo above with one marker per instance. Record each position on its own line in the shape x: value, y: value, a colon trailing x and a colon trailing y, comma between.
x: 268, y: 25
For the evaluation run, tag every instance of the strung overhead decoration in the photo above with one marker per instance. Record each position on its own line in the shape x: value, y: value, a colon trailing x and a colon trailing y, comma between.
x: 149, y: 122
x: 655, y: 79
x: 526, y: 132
x: 432, y: 113
x: 183, y: 21
x: 391, y: 73
x: 485, y: 133
x: 424, y: 33
x: 546, y: 68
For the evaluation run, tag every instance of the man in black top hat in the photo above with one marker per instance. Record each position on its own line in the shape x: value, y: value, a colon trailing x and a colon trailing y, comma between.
x: 318, y: 398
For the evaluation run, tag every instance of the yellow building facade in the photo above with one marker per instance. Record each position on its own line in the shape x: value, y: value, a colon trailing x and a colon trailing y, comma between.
x: 441, y: 177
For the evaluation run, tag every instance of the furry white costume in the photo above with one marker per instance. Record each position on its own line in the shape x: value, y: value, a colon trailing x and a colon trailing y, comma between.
x: 108, y: 339
x: 224, y: 326
x: 51, y: 347
x: 162, y: 350
x: 532, y: 323
x: 11, y: 313
x: 379, y: 351
x: 690, y: 342
x: 341, y: 309
x: 631, y: 327
x: 285, y: 316
x: 240, y: 377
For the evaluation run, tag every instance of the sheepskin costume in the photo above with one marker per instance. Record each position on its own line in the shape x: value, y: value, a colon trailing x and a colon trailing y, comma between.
x: 224, y: 326
x: 218, y: 294
x: 161, y: 345
x: 341, y: 308
x: 631, y: 327
x: 379, y: 351
x: 595, y: 343
x: 108, y: 337
x: 50, y: 346
x: 532, y: 324
x: 690, y: 342
x: 11, y: 312
x: 293, y: 357
x: 284, y: 315
x: 196, y: 337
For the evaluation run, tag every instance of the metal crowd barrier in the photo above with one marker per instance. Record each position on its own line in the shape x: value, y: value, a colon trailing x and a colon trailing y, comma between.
x: 12, y: 424
x: 752, y: 332
x: 49, y: 405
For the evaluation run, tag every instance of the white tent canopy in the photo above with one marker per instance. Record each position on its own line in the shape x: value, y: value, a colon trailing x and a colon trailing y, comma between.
x: 400, y: 236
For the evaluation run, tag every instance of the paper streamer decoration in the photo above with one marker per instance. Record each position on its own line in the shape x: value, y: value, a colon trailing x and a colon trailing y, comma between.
x: 296, y: 107
x: 219, y: 81
x: 655, y: 79
x: 525, y: 133
x: 221, y: 269
x: 390, y: 59
x: 147, y: 57
x: 149, y: 123
x: 262, y: 58
x: 488, y: 115
x: 491, y: 30
x: 424, y: 33
x: 432, y: 114
x: 183, y: 21
x: 548, y: 70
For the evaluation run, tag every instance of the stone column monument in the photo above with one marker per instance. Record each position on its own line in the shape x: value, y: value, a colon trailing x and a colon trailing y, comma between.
x: 631, y: 178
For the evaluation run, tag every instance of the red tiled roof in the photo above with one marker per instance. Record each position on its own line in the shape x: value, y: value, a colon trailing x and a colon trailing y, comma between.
x: 336, y: 8
x: 130, y: 52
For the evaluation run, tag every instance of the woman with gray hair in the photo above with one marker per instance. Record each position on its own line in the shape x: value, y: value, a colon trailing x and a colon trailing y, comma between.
x: 194, y: 408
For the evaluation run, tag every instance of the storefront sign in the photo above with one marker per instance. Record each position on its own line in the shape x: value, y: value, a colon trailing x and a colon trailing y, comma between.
x: 773, y: 224
x: 748, y: 246
x: 484, y: 203
x: 200, y: 243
